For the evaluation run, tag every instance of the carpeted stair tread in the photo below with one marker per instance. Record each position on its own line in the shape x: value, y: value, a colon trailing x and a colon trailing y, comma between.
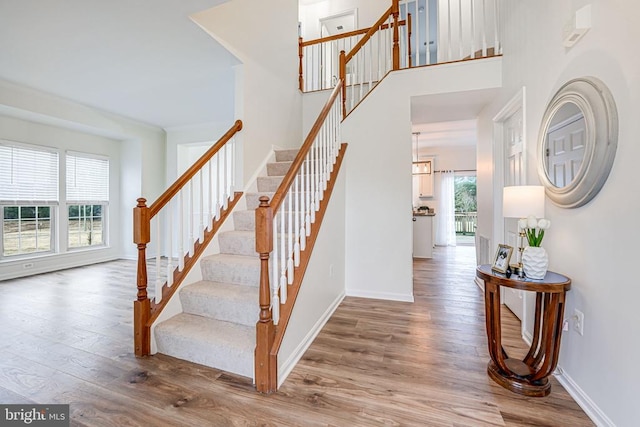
x: 228, y: 268
x: 269, y: 183
x: 286, y: 155
x: 238, y: 242
x: 244, y: 220
x: 278, y: 168
x: 215, y: 343
x: 222, y: 301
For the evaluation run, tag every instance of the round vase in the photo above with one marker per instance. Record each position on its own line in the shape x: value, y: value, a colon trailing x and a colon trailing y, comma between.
x: 535, y: 262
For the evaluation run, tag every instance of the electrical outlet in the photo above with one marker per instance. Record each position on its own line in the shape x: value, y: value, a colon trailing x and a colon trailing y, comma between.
x: 578, y: 321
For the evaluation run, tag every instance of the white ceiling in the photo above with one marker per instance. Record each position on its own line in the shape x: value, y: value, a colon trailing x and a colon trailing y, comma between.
x: 448, y: 119
x: 142, y: 59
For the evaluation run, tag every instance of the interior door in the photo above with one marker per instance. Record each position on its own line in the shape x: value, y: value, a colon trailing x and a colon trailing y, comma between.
x: 566, y: 143
x: 513, y: 175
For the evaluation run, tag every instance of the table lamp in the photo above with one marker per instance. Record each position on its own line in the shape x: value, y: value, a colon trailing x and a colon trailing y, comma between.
x: 520, y: 201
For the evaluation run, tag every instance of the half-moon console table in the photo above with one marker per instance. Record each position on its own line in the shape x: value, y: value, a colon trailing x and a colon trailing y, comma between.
x: 529, y: 376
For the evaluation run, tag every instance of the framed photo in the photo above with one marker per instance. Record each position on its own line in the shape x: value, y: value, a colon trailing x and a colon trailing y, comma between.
x: 501, y: 260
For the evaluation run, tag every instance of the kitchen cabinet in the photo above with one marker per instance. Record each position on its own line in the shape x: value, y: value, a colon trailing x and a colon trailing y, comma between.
x: 423, y: 235
x: 424, y: 179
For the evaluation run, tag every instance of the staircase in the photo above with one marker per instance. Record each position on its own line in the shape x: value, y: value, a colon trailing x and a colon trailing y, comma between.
x: 217, y: 327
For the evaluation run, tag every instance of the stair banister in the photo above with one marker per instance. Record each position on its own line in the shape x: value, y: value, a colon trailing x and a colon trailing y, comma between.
x: 308, y: 173
x: 345, y: 39
x: 145, y: 310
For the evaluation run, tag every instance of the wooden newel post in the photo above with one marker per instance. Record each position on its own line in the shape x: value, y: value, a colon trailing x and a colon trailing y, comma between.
x: 396, y: 35
x: 142, y: 305
x: 343, y: 77
x: 300, y: 55
x: 265, y: 369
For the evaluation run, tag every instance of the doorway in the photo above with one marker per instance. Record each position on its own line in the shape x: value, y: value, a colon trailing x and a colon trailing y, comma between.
x: 466, y: 208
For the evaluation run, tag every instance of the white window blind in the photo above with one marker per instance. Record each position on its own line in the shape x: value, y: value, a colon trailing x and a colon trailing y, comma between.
x: 87, y: 178
x: 28, y: 174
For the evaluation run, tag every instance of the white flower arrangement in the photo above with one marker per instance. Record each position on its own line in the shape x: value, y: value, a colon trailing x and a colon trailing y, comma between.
x: 534, y: 228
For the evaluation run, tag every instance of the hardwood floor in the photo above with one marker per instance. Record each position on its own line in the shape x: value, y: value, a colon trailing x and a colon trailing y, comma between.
x: 67, y: 338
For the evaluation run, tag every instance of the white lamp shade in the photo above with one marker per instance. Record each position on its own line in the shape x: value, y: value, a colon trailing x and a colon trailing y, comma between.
x: 520, y: 201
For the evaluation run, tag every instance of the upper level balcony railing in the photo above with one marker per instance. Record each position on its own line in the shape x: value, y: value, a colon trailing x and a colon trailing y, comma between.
x: 429, y: 32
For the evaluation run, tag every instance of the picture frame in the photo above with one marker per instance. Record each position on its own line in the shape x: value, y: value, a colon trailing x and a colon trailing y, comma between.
x: 502, y: 258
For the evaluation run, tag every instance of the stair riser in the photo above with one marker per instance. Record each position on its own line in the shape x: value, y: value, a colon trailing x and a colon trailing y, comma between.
x: 269, y: 183
x: 246, y: 221
x: 286, y: 155
x: 215, y: 270
x: 278, y: 169
x: 238, y: 243
x: 200, y: 344
x: 243, y: 311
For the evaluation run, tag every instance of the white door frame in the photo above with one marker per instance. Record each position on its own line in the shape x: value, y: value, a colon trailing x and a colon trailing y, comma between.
x: 517, y: 102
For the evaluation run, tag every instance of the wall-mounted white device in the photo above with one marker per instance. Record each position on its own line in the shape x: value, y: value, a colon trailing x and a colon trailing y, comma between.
x: 577, y: 26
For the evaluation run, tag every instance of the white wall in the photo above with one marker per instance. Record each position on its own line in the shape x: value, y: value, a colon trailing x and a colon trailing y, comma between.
x: 267, y: 98
x: 135, y: 152
x: 595, y: 243
x: 368, y: 12
x: 379, y: 183
x: 323, y: 287
x: 449, y: 158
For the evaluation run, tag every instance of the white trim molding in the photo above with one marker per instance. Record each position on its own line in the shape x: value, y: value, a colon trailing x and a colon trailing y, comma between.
x: 582, y: 399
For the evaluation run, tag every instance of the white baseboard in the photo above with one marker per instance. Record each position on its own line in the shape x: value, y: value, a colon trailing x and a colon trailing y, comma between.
x: 391, y: 296
x: 297, y: 354
x: 582, y: 399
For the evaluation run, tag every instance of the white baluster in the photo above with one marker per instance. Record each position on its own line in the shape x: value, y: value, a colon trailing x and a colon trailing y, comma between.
x: 210, y: 184
x: 290, y: 253
x: 449, y: 30
x: 202, y: 213
x: 158, y: 259
x: 170, y: 242
x: 318, y: 194
x: 427, y: 35
x: 313, y: 187
x: 308, y: 208
x: 298, y: 232
x: 232, y: 168
x: 275, y: 298
x: 461, y: 53
x: 225, y: 179
x: 283, y: 255
x: 180, y: 230
x: 473, y: 28
x: 220, y: 192
x: 484, y: 28
x: 190, y: 218
x: 496, y: 16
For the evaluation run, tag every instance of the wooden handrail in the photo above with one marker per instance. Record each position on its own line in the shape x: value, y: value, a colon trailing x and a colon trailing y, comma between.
x: 345, y: 35
x: 191, y: 172
x: 287, y: 181
x: 374, y: 28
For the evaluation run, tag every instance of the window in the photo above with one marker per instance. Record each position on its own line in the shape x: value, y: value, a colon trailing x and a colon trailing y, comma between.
x: 87, y: 180
x: 28, y: 197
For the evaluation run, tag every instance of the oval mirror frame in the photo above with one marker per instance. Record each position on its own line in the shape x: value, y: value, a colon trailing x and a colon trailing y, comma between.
x: 593, y: 97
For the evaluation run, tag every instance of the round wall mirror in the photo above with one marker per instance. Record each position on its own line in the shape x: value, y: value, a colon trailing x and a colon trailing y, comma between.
x: 577, y: 142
